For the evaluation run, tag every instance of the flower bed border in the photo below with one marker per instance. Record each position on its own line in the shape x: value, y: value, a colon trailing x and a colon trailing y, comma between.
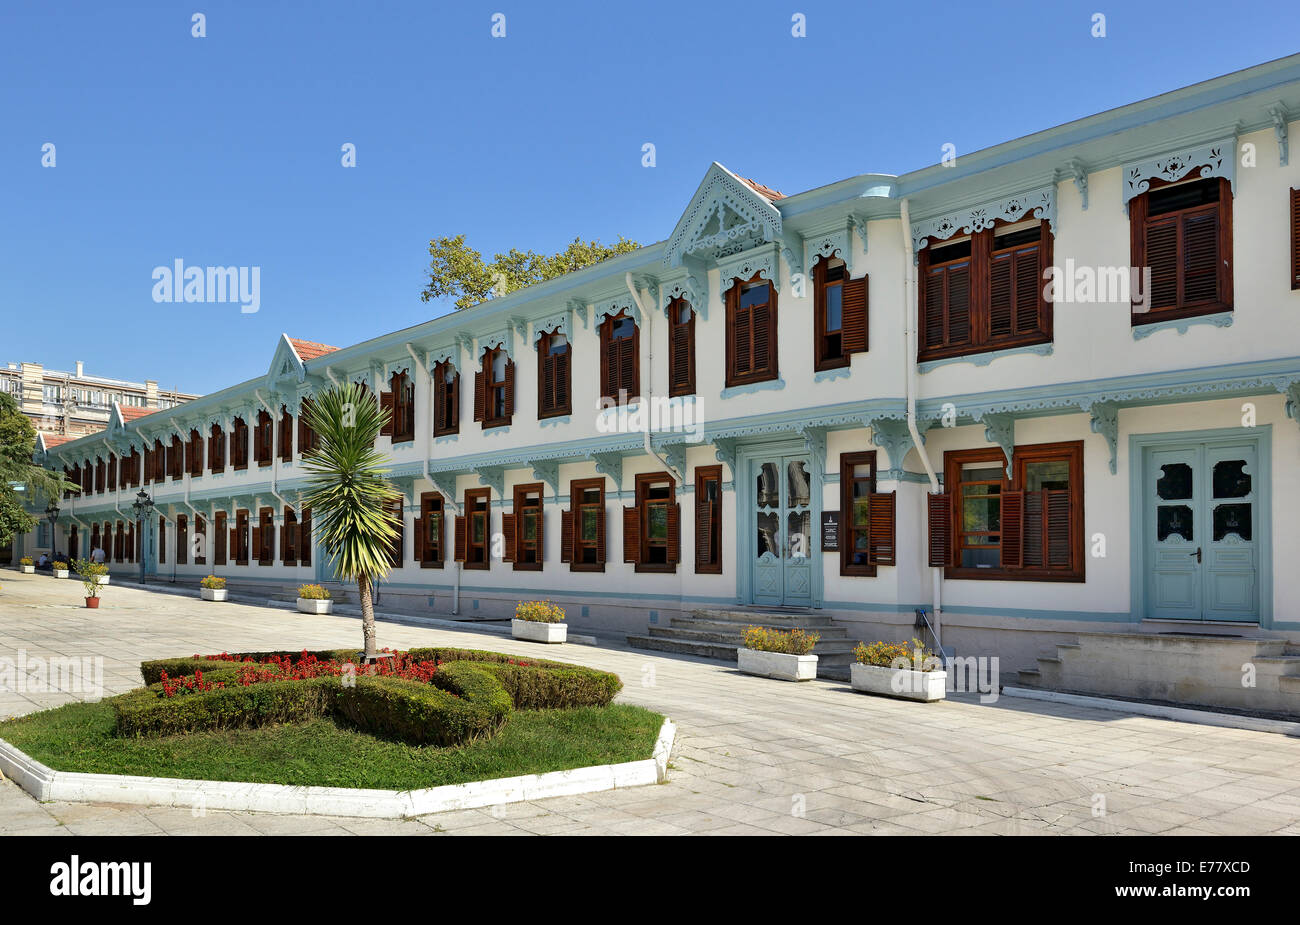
x: 48, y: 785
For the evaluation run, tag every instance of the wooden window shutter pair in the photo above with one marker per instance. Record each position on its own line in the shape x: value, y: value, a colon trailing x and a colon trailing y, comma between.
x: 853, y: 315
x: 508, y: 531
x: 460, y: 545
x: 681, y: 351
x: 881, y: 538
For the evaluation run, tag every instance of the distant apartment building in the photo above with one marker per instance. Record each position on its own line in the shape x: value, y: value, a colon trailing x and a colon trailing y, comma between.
x: 73, y: 404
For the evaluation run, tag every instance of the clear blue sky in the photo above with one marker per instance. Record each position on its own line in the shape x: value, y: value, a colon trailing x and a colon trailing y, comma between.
x: 225, y: 150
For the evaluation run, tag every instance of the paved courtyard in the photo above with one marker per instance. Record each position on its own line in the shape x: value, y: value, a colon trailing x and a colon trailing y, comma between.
x: 753, y: 756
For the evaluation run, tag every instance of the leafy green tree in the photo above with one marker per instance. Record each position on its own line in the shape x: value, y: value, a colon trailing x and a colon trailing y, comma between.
x: 20, y: 477
x: 459, y: 271
x: 347, y: 491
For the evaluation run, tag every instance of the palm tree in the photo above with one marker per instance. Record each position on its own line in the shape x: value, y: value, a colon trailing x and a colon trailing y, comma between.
x: 347, y: 492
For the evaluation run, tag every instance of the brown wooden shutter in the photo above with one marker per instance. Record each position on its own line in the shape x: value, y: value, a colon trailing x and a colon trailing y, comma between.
x: 460, y: 539
x: 674, y: 533
x: 742, y: 342
x: 631, y: 534
x: 1295, y: 239
x: 234, y: 545
x: 508, y: 531
x: 627, y: 365
x: 257, y: 544
x: 764, y: 336
x: 563, y: 376
x: 1001, y: 296
x: 440, y: 421
x: 421, y: 541
x: 283, y: 530
x: 1200, y: 256
x: 566, y: 536
x: 853, y: 319
x: 881, y: 539
x: 682, y: 353
x: 510, y: 389
x: 703, y: 533
x: 304, y: 538
x: 1013, y: 529
x: 609, y: 362
x: 1057, y: 503
x: 386, y: 404
x: 939, y: 515
x: 600, y: 532
x: 480, y: 394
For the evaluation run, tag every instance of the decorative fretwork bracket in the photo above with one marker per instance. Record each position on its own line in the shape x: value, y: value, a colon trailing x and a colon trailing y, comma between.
x: 445, y: 484
x: 894, y: 436
x: 579, y: 308
x: 1001, y: 429
x: 610, y: 464
x: 494, y: 477
x: 1105, y: 421
x: 1279, y: 116
x: 1291, y: 391
x: 725, y: 452
x: 814, y: 438
x: 1075, y: 171
x: 548, y: 470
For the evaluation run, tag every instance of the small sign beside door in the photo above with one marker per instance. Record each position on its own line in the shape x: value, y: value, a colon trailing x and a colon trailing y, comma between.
x: 830, y: 531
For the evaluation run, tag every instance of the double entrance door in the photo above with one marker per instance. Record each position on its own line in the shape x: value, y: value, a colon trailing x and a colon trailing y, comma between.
x: 1201, y: 531
x: 783, y: 541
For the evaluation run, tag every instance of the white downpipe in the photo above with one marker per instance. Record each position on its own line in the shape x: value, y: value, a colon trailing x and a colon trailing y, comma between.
x: 428, y: 453
x: 334, y: 380
x: 648, y: 322
x: 910, y: 388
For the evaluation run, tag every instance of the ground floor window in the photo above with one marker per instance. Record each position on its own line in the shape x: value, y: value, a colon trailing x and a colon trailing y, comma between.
x: 652, y: 527
x: 429, y: 531
x: 522, y: 529
x: 473, y: 533
x: 708, y: 520
x: 582, y: 527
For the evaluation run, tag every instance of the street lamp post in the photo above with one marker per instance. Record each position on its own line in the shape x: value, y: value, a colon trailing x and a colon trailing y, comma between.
x: 52, y: 514
x: 143, y: 507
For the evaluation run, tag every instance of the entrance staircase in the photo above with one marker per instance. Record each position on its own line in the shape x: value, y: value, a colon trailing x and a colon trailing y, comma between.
x: 719, y: 633
x: 1181, y: 668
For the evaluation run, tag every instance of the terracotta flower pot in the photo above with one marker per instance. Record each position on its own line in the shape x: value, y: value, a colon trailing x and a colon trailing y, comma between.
x: 92, y: 602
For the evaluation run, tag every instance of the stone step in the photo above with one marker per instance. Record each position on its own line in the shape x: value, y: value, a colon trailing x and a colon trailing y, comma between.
x: 738, y: 629
x: 782, y: 619
x: 824, y: 645
x: 833, y: 665
x: 1029, y: 677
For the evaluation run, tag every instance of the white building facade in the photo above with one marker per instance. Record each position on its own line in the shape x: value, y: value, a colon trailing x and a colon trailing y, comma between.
x: 1050, y: 387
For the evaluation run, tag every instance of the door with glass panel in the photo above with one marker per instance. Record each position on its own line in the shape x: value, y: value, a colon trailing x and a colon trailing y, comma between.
x: 1199, y: 519
x: 783, y: 555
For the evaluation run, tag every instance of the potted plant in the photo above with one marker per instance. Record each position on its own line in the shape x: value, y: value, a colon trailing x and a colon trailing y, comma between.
x: 773, y: 653
x: 212, y: 588
x: 539, y: 621
x: 898, y: 669
x: 92, y: 579
x: 28, y: 565
x: 60, y: 570
x: 314, y: 599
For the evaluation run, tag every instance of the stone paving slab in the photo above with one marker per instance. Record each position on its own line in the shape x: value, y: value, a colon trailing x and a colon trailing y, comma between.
x: 753, y: 756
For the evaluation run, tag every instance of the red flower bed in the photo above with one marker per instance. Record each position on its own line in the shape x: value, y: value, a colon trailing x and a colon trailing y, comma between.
x: 301, y: 667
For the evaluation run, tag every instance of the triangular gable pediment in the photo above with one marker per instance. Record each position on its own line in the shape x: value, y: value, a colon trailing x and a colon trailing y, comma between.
x: 725, y: 216
x: 285, y: 363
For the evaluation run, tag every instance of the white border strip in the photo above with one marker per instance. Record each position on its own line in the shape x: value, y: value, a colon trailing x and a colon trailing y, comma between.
x: 1160, y: 711
x: 47, y: 785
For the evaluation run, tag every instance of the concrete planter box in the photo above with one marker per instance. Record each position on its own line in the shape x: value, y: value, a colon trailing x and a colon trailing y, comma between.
x: 779, y: 665
x: 898, y: 682
x: 60, y: 573
x: 102, y: 579
x: 213, y: 594
x: 306, y: 605
x: 539, y: 632
x: 28, y: 569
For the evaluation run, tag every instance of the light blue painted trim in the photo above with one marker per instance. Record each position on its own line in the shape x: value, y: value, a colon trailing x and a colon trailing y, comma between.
x: 1092, y: 616
x: 752, y: 387
x: 1039, y: 203
x: 1216, y: 159
x: 1218, y: 320
x: 826, y: 375
x: 987, y: 357
x: 555, y: 421
x: 446, y: 438
x: 404, y: 445
x: 1138, y: 444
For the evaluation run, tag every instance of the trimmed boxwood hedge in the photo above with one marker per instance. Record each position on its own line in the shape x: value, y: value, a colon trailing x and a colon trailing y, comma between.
x: 471, y: 696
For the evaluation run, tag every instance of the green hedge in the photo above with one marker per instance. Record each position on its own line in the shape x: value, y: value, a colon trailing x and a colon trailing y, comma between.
x: 471, y: 696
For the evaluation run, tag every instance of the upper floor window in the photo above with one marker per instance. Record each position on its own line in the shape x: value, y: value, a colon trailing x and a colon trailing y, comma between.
x: 985, y: 291
x: 494, y: 389
x: 751, y: 332
x: 1027, y: 527
x: 554, y: 375
x: 446, y: 400
x: 620, y: 361
x: 839, y: 314
x: 239, y: 444
x: 217, y: 448
x: 681, y: 348
x: 194, y: 454
x: 399, y: 401
x: 307, y: 440
x: 176, y: 458
x: 159, y: 472
x: 1182, y: 232
x: 263, y: 439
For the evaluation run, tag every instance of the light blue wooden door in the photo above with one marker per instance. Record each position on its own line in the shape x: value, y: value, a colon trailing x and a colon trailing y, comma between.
x: 782, y: 564
x: 1199, y: 532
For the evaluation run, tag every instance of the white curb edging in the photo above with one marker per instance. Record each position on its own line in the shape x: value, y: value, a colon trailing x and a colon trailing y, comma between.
x: 1178, y: 714
x: 47, y: 785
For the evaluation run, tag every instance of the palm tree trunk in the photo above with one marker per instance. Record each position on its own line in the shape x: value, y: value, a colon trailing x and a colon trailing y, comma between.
x: 367, y: 615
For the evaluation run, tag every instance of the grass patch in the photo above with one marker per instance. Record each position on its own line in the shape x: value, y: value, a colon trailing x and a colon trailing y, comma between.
x: 322, y: 752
